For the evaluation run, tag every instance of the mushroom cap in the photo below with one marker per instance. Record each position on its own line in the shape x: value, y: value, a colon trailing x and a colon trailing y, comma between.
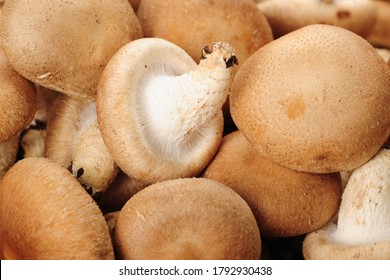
x: 362, y: 230
x: 318, y: 245
x: 380, y: 33
x: 312, y: 103
x: 285, y: 202
x: 90, y: 33
x: 191, y: 24
x: 8, y: 154
x: 48, y: 215
x: 284, y: 16
x: 191, y: 218
x: 18, y: 100
x: 121, y: 114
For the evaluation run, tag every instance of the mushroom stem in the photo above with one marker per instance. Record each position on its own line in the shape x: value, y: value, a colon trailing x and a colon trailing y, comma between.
x: 177, y: 105
x: 91, y: 163
x: 365, y: 209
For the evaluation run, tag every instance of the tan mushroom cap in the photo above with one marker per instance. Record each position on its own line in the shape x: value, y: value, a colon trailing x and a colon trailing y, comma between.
x: 380, y: 34
x: 48, y: 215
x: 191, y: 24
x: 285, y: 16
x: 18, y: 100
x: 285, y: 202
x: 312, y: 103
x: 64, y: 46
x: 192, y: 218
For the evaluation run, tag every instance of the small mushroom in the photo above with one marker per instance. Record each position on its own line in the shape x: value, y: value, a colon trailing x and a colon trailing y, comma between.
x: 191, y: 218
x: 284, y: 16
x: 64, y: 45
x: 363, y: 228
x: 285, y: 202
x: 17, y: 100
x: 74, y: 141
x: 158, y: 112
x: 311, y: 102
x: 45, y: 214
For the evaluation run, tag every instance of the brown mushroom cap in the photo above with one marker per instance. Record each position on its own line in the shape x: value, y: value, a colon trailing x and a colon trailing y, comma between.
x: 285, y: 16
x: 193, y: 218
x: 285, y: 202
x: 18, y: 100
x: 380, y: 33
x: 312, y: 103
x: 191, y: 24
x: 65, y: 45
x: 48, y: 215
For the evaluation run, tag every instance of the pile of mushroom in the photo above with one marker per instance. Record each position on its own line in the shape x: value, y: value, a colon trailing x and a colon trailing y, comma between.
x: 194, y: 129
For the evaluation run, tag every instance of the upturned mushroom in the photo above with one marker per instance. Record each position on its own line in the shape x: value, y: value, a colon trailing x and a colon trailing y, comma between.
x: 284, y: 202
x: 363, y: 228
x: 74, y: 141
x: 64, y: 45
x: 47, y: 215
x: 158, y: 112
x: 284, y: 16
x: 17, y: 100
x: 191, y: 218
x: 311, y: 102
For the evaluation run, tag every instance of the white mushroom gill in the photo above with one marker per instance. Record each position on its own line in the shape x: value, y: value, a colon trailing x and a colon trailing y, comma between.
x: 91, y: 162
x: 176, y: 107
x: 364, y: 215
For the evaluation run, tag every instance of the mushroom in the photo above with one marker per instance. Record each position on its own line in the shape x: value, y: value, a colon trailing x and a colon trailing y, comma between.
x: 119, y: 192
x: 47, y: 215
x: 8, y: 154
x: 363, y: 228
x: 74, y: 141
x: 17, y: 100
x: 284, y: 16
x: 380, y: 33
x: 33, y: 137
x: 310, y: 102
x: 191, y: 24
x: 285, y: 202
x: 191, y: 218
x: 158, y: 112
x: 64, y: 45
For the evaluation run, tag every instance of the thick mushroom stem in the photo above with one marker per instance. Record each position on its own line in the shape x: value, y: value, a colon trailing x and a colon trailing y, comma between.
x: 365, y: 209
x: 175, y: 106
x: 91, y: 163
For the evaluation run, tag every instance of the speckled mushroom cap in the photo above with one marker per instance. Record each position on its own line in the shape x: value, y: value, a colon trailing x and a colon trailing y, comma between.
x: 192, y: 218
x: 64, y: 45
x: 18, y: 100
x: 363, y: 229
x: 312, y: 103
x: 48, y: 215
x: 380, y: 33
x: 191, y: 24
x: 285, y: 16
x: 285, y: 202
